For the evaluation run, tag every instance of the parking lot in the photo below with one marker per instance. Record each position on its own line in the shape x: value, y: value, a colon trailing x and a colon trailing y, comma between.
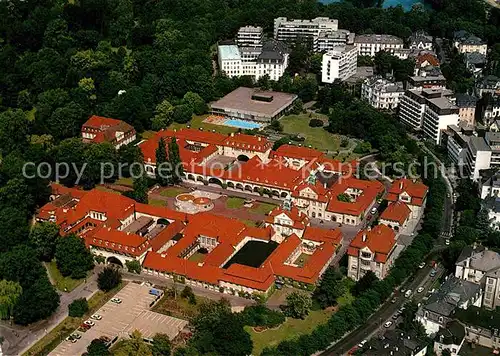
x: 120, y: 320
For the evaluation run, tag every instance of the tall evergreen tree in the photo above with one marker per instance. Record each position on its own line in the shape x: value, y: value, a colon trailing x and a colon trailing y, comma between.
x: 175, y: 161
x: 162, y: 171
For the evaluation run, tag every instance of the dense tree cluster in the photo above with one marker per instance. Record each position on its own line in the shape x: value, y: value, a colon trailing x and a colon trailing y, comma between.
x: 78, y: 307
x: 108, y: 279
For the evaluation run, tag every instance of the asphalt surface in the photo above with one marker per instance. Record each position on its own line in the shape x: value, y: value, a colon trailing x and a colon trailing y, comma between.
x: 374, y: 325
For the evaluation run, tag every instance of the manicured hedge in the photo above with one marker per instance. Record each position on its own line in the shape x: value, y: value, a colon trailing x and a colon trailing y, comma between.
x: 352, y: 316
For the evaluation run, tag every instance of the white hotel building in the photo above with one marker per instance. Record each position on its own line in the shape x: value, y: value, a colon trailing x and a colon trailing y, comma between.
x: 369, y: 45
x: 290, y: 30
x: 382, y: 93
x: 340, y: 64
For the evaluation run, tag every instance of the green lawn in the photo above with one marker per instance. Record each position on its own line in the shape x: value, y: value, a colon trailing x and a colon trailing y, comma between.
x: 262, y: 208
x: 197, y: 257
x: 105, y: 189
x: 156, y: 202
x: 234, y: 202
x: 172, y: 192
x: 179, y: 307
x: 290, y: 329
x: 147, y: 134
x: 250, y: 223
x: 64, y: 284
x: 197, y: 122
x: 302, y: 259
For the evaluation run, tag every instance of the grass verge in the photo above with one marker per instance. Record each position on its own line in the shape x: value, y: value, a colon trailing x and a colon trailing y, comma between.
x: 64, y: 284
x: 179, y: 307
x: 290, y: 329
x: 157, y: 202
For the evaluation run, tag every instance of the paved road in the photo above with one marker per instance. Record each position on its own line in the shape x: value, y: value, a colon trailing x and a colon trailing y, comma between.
x: 374, y: 324
x: 27, y: 336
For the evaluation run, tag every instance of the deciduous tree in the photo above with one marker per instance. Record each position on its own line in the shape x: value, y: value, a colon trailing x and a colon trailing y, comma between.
x: 43, y: 237
x: 108, y: 279
x: 72, y: 257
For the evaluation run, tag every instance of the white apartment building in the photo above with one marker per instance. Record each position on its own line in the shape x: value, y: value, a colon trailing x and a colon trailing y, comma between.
x: 249, y: 36
x: 456, y: 144
x: 369, y: 45
x: 290, y: 30
x: 382, y: 93
x: 430, y: 110
x: 468, y: 43
x: 477, y: 157
x: 439, y: 113
x: 270, y: 59
x: 340, y: 63
x: 330, y: 40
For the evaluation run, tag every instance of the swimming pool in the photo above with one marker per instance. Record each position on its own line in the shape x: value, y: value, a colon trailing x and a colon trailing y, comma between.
x: 242, y: 124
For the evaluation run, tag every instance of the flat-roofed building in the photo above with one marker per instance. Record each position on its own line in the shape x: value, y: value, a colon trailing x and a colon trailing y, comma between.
x: 329, y: 40
x: 339, y: 63
x: 249, y: 36
x: 291, y: 30
x: 369, y: 45
x: 478, y: 156
x: 253, y: 104
x: 466, y: 108
x: 438, y: 115
x: 230, y: 60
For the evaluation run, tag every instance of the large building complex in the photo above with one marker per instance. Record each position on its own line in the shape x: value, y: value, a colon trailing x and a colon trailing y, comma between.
x: 253, y: 105
x: 465, y: 42
x: 369, y: 45
x: 291, y: 30
x: 339, y: 63
x: 381, y: 93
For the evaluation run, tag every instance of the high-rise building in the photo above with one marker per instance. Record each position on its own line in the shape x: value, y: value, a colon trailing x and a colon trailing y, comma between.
x: 340, y: 63
x: 291, y: 30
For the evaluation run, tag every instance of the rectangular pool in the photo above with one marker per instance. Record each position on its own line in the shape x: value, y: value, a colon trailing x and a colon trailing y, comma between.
x: 242, y: 124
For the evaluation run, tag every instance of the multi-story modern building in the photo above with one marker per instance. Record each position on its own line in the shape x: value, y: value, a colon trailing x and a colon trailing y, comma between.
x: 339, y: 63
x: 477, y: 156
x: 420, y: 40
x: 271, y: 59
x: 429, y: 77
x: 382, y: 93
x: 102, y: 129
x: 468, y: 43
x: 372, y: 250
x: 290, y: 30
x: 369, y: 45
x: 430, y: 110
x: 331, y: 40
x: 249, y: 36
x: 457, y: 142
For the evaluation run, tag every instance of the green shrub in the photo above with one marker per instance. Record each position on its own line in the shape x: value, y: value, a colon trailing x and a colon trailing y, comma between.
x: 316, y: 123
x: 78, y: 308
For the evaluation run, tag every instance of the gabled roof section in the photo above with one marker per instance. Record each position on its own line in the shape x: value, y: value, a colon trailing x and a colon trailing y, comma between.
x: 416, y: 190
x: 379, y: 240
x: 397, y: 211
x: 368, y: 193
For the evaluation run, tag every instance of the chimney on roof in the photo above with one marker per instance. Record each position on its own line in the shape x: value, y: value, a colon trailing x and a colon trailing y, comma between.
x: 364, y: 236
x: 259, y: 138
x: 232, y: 134
x: 401, y: 185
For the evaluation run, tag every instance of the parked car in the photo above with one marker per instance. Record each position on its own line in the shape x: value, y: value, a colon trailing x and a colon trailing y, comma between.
x: 89, y: 322
x: 420, y: 289
x: 395, y: 316
x: 116, y: 300
x: 408, y: 293
x: 388, y: 324
x: 96, y: 317
x: 422, y: 265
x: 393, y: 300
x: 76, y: 336
x: 85, y: 326
x: 105, y: 339
x: 447, y: 242
x: 373, y: 211
x: 362, y: 343
x: 433, y: 273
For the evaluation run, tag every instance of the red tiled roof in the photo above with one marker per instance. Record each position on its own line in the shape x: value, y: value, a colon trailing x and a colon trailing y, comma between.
x: 370, y: 190
x: 397, y: 211
x: 379, y: 240
x: 248, y: 142
x: 119, y: 241
x: 167, y: 234
x: 107, y: 128
x: 297, y: 152
x: 260, y: 278
x: 416, y: 190
x: 318, y: 188
x: 323, y: 235
x: 427, y: 57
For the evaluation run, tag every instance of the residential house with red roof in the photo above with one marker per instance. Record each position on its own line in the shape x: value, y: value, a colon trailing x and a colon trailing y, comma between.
x: 372, y: 250
x: 411, y: 192
x: 396, y: 216
x: 100, y: 129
